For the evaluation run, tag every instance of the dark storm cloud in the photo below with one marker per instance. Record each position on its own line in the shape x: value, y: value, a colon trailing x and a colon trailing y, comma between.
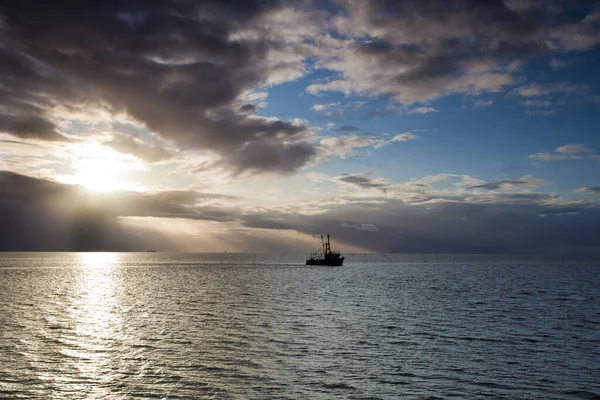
x: 37, y: 215
x: 265, y: 155
x: 41, y: 215
x: 29, y: 127
x: 453, y: 226
x: 176, y: 66
x: 420, y: 50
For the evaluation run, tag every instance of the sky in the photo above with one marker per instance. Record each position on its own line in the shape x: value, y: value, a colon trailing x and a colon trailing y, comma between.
x: 417, y: 126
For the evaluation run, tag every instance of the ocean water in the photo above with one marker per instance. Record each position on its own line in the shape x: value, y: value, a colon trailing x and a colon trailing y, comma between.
x: 245, y: 326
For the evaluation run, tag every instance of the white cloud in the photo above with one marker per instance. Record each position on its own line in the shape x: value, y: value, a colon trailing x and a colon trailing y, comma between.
x: 403, y: 137
x: 572, y: 151
x: 573, y: 148
x: 537, y: 90
x: 536, y: 103
x: 343, y: 146
x: 591, y: 190
x: 323, y: 107
x: 422, y: 110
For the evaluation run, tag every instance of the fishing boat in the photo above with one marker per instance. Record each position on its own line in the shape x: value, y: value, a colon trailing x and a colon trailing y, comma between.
x: 327, y: 256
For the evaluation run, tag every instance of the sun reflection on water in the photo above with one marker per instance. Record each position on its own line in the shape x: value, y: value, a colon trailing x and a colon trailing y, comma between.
x: 98, y: 260
x: 97, y: 322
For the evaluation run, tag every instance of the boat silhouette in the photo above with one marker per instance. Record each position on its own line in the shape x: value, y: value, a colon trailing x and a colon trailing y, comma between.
x: 327, y: 257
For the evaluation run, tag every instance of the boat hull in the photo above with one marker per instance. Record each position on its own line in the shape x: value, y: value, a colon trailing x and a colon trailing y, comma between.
x: 319, y: 261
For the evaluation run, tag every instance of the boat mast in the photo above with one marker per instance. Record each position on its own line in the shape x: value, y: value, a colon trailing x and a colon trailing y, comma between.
x: 328, y: 245
x: 323, y: 244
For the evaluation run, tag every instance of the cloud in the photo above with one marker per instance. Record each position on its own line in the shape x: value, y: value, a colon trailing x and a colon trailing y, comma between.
x: 363, y: 181
x: 542, y: 99
x: 29, y: 127
x: 344, y: 146
x: 536, y: 103
x: 39, y: 214
x: 526, y: 181
x: 591, y: 189
x: 194, y: 73
x: 43, y: 215
x: 403, y: 137
x: 540, y: 112
x: 361, y: 227
x: 322, y: 107
x: 264, y: 155
x: 538, y: 90
x: 417, y: 51
x: 179, y: 68
x: 138, y: 148
x: 330, y: 110
x: 422, y: 110
x: 348, y: 129
x: 573, y: 151
x: 556, y: 64
x: 527, y: 223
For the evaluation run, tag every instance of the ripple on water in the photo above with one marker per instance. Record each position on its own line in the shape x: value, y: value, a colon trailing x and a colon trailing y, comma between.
x: 200, y: 326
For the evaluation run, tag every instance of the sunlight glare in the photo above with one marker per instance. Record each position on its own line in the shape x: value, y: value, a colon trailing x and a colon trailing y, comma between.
x: 97, y: 174
x: 98, y: 260
x: 100, y: 169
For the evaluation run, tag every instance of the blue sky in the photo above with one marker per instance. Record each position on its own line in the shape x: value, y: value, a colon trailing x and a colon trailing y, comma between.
x: 490, y: 136
x: 409, y: 126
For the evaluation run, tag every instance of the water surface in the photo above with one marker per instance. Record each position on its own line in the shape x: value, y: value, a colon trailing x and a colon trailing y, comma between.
x: 246, y: 326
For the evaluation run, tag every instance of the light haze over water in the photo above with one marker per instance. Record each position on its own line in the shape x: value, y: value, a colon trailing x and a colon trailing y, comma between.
x: 246, y: 326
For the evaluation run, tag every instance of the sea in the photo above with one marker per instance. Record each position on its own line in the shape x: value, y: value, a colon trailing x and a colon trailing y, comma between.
x: 266, y: 326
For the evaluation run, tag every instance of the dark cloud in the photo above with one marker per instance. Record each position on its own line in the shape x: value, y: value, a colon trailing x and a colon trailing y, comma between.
x: 511, y: 224
x: 39, y: 215
x: 348, y: 129
x: 178, y: 67
x: 265, y: 155
x: 19, y: 143
x: 249, y: 108
x: 527, y: 181
x: 29, y: 127
x: 362, y: 181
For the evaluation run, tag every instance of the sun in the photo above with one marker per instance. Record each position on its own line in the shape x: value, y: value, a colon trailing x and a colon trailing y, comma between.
x: 97, y: 174
x: 98, y: 168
